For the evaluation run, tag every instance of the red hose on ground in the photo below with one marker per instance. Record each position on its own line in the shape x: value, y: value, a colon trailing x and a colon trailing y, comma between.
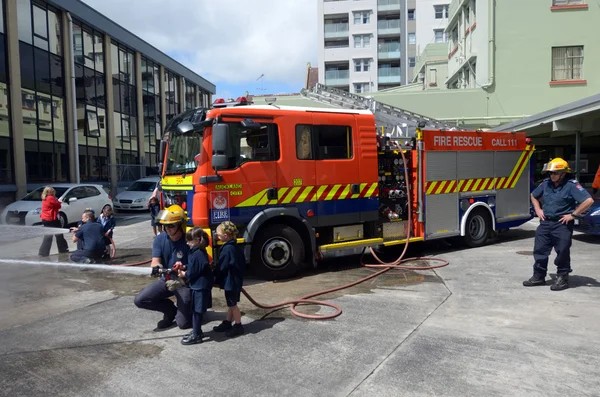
x: 114, y: 252
x: 397, y: 264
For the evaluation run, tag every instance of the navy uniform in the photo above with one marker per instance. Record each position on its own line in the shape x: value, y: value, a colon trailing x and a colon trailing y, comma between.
x: 552, y: 233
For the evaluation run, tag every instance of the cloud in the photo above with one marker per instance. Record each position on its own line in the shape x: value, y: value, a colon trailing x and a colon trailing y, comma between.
x: 226, y: 41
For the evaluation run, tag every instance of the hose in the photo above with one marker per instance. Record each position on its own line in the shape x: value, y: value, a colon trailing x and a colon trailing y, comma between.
x: 114, y: 252
x: 385, y: 267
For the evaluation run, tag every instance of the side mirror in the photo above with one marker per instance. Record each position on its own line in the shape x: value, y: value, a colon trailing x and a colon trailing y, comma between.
x: 72, y: 199
x: 184, y: 127
x: 219, y: 146
x: 160, y: 155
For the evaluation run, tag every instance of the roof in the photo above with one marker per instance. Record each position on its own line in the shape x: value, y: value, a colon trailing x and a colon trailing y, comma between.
x: 572, y: 109
x: 90, y: 16
x: 301, y: 109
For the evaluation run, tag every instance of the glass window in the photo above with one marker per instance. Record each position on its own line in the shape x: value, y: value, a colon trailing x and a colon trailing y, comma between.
x: 412, y: 38
x: 116, y: 95
x: 114, y: 59
x: 88, y: 49
x: 100, y: 90
x: 42, y: 71
x: 56, y: 76
x: 40, y: 24
x: 79, y: 83
x: 78, y: 43
x: 3, y: 76
x: 412, y: 62
x: 6, y: 174
x: 26, y: 63
x: 303, y: 143
x: 54, y: 33
x: 24, y: 21
x: 334, y: 142
x: 411, y: 15
x: 90, y: 86
x: 99, y: 53
x: 567, y: 63
x: 245, y: 146
x: 58, y: 116
x: 1, y: 27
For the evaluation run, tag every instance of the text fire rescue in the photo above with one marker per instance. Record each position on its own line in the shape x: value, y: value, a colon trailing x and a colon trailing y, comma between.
x: 470, y: 141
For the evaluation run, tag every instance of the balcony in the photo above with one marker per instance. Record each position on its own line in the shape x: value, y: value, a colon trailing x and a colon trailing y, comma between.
x: 388, y: 5
x: 388, y: 51
x: 337, y: 77
x: 336, y: 30
x: 388, y: 75
x: 388, y: 27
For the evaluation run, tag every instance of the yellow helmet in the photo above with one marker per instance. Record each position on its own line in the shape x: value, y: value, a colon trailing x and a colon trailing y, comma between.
x: 171, y: 215
x: 556, y: 165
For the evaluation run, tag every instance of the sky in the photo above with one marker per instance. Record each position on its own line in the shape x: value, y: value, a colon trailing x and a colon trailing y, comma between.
x: 231, y: 43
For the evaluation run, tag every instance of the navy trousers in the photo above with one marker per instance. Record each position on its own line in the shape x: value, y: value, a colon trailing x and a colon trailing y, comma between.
x: 552, y: 234
x: 156, y: 297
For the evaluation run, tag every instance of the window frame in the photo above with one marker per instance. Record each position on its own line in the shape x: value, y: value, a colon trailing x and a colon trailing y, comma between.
x: 274, y: 144
x: 443, y: 11
x: 315, y: 133
x: 569, y: 69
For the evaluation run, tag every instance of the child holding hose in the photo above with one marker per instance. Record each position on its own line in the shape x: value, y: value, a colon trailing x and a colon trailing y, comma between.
x: 230, y: 277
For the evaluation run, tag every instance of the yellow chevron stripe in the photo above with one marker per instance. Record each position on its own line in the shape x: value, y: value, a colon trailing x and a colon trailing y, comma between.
x: 432, y: 187
x: 371, y: 190
x: 515, y: 169
x: 469, y: 183
x: 280, y: 193
x: 484, y: 183
x: 514, y: 183
x: 290, y: 195
x: 332, y: 192
x: 263, y: 200
x: 460, y: 185
x: 305, y: 194
x: 362, y: 186
x: 344, y: 193
x: 440, y: 187
x: 319, y: 193
x: 450, y: 187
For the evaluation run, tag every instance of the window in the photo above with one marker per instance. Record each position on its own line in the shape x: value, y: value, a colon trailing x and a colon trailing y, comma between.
x: 567, y: 63
x: 361, y: 65
x: 412, y: 38
x: 244, y: 146
x: 441, y: 11
x: 411, y: 15
x: 362, y: 17
x: 433, y: 77
x: 323, y: 142
x: 412, y: 62
x: 440, y: 36
x: 361, y: 88
x: 171, y: 94
x: 362, y: 41
x: 566, y: 2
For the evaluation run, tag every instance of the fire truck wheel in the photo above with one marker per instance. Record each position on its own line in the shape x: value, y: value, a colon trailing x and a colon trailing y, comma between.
x: 277, y: 253
x: 477, y: 229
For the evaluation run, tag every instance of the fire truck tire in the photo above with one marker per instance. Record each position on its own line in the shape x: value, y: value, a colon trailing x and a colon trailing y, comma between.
x: 478, y: 227
x: 277, y: 253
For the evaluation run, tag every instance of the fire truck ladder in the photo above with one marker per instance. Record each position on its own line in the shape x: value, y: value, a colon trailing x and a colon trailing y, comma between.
x: 398, y: 122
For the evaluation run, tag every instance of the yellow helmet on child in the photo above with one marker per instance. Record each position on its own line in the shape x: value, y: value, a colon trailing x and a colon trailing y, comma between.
x: 556, y: 165
x: 171, y: 215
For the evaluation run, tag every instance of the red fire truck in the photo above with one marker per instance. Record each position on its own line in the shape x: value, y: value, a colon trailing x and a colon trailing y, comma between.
x: 303, y: 184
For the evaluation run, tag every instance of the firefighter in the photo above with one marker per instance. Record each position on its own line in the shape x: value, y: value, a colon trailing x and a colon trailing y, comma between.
x: 169, y: 248
x: 560, y: 195
x: 596, y: 183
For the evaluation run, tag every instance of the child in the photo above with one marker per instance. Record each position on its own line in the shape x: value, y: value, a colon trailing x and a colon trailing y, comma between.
x: 154, y: 209
x: 230, y: 272
x: 108, y: 222
x: 200, y: 280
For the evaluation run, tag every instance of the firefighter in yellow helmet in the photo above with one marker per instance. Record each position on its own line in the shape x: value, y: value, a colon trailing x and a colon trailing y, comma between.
x: 169, y: 250
x: 563, y: 199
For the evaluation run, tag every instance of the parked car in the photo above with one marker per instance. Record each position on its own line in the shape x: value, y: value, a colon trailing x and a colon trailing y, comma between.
x: 589, y: 223
x: 137, y: 195
x: 75, y: 198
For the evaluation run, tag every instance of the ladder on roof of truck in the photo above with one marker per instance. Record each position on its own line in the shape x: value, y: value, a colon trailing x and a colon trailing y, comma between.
x: 399, y: 122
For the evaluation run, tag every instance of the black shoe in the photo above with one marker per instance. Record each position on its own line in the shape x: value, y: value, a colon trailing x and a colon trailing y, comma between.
x: 64, y: 252
x: 534, y: 281
x: 224, y: 326
x: 192, y: 339
x: 165, y: 323
x: 562, y: 282
x: 236, y: 330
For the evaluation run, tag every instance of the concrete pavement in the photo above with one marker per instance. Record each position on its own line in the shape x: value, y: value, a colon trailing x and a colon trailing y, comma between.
x: 469, y: 329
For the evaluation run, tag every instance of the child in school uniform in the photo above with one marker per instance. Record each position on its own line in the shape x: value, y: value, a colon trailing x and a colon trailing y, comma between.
x: 154, y: 207
x: 108, y: 222
x: 230, y: 277
x: 200, y: 280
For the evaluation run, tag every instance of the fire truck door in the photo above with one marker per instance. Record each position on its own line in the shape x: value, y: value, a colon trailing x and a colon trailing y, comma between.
x: 336, y: 167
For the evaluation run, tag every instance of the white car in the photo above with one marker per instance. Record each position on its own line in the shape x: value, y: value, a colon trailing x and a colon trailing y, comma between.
x: 137, y: 195
x: 75, y: 198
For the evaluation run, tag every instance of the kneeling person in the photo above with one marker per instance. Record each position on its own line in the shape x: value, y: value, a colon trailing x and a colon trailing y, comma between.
x: 90, y: 239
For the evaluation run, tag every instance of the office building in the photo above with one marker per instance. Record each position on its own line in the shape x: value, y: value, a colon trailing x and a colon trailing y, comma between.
x: 82, y: 98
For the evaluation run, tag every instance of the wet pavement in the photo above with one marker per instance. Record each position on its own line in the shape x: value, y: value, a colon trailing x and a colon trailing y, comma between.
x: 466, y: 329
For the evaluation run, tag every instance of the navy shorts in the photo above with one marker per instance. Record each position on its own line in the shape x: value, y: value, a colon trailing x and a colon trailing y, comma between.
x: 232, y: 298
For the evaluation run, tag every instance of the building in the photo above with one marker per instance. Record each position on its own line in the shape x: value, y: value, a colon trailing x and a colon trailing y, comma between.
x: 82, y: 98
x: 431, y: 20
x: 361, y: 43
x: 500, y: 69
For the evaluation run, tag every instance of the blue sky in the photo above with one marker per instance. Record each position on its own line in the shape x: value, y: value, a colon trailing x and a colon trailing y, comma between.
x: 231, y: 43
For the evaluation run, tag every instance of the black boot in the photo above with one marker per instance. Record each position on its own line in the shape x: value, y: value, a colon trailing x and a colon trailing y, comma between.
x: 166, y: 322
x: 236, y: 330
x: 535, y: 281
x: 562, y: 282
x: 224, y: 326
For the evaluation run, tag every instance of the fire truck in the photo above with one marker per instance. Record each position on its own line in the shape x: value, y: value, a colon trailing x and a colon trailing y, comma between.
x: 303, y: 184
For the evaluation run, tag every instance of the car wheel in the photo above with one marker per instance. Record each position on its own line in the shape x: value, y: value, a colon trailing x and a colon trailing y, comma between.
x: 63, y: 220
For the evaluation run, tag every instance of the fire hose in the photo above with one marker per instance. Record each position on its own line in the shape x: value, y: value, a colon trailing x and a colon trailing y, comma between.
x: 307, y: 299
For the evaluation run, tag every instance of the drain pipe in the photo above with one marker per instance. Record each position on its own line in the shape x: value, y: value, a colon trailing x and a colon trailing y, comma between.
x: 491, y: 44
x: 74, y: 94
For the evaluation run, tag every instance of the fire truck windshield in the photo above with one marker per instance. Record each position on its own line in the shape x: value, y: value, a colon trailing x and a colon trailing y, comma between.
x: 183, y: 152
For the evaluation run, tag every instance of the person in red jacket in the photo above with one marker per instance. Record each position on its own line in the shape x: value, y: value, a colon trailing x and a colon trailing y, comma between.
x: 49, y: 216
x: 596, y: 183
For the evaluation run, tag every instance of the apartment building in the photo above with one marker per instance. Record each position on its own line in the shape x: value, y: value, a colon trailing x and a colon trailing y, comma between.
x: 82, y: 98
x: 431, y: 20
x: 363, y: 44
